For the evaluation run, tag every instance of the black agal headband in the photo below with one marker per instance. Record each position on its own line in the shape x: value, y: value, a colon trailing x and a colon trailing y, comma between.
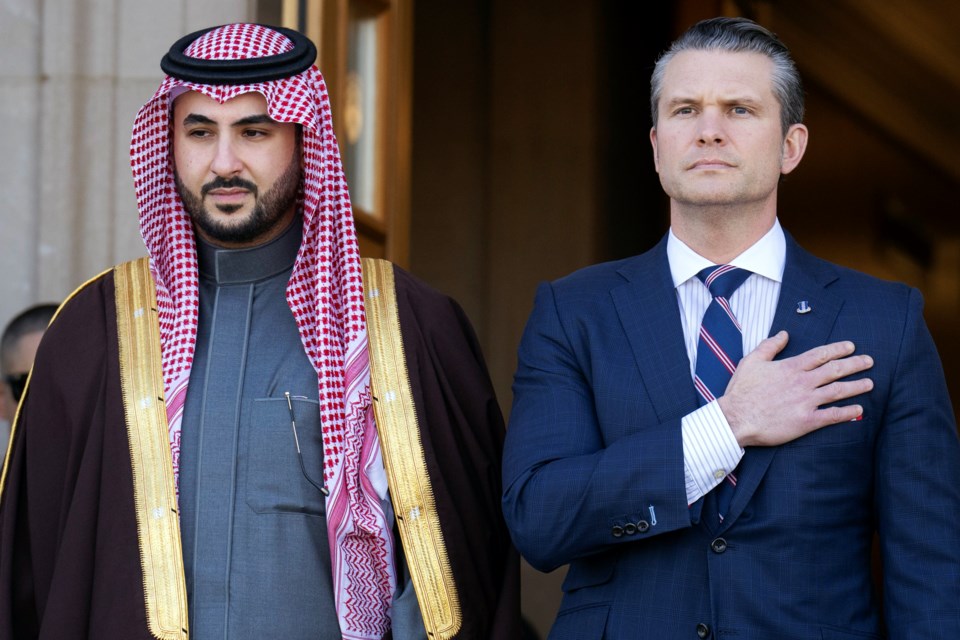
x: 242, y: 71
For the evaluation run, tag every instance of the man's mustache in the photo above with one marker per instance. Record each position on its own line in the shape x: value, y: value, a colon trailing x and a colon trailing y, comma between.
x: 228, y: 183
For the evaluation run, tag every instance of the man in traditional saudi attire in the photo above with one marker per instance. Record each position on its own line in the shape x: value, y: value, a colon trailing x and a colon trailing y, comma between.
x: 251, y: 435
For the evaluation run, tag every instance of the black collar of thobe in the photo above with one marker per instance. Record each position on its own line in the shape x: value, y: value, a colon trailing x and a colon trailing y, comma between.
x: 243, y: 266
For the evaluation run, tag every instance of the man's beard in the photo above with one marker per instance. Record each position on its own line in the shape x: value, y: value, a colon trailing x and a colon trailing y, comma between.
x: 262, y: 219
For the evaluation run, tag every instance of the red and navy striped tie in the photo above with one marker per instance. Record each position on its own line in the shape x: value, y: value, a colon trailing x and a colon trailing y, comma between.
x: 719, y: 349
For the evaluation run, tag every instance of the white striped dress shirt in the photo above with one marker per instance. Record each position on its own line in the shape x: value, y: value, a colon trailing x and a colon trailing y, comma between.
x: 710, y: 450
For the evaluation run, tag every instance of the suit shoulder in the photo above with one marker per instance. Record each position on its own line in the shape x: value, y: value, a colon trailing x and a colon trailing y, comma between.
x: 857, y: 284
x: 846, y: 282
x: 596, y: 278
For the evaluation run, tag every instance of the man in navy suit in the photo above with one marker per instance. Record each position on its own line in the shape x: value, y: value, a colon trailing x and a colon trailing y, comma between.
x: 747, y: 511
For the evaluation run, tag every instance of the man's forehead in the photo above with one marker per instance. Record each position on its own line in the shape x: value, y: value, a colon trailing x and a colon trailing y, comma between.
x: 715, y: 69
x: 192, y: 101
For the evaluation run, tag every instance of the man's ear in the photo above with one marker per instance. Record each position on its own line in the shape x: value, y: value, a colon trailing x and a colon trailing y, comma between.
x: 653, y: 143
x: 794, y: 146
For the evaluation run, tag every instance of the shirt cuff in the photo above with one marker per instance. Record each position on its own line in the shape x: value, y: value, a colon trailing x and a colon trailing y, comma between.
x: 710, y: 450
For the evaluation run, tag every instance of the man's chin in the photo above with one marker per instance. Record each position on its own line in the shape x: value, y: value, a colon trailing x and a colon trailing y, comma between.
x: 221, y: 230
x: 237, y: 232
x: 712, y: 197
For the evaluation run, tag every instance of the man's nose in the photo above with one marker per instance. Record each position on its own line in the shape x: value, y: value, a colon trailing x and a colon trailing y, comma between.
x: 226, y: 162
x: 711, y: 127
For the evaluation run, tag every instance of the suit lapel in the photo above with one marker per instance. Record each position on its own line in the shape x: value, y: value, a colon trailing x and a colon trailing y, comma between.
x: 804, y: 280
x: 650, y: 316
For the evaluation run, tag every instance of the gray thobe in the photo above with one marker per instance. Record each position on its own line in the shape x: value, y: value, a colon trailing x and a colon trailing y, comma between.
x: 253, y: 524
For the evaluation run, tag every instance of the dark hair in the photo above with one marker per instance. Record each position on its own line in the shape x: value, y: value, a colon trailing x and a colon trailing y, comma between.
x: 35, y: 318
x: 738, y: 35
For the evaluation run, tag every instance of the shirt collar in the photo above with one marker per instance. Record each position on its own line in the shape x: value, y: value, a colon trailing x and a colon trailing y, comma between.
x: 766, y: 257
x: 242, y: 266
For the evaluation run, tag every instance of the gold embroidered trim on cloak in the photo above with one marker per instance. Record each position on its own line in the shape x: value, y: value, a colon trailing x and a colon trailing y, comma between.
x: 16, y: 415
x: 154, y: 490
x: 404, y: 459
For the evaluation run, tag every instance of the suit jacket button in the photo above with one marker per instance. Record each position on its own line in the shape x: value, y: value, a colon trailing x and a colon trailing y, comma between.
x: 643, y: 526
x: 630, y: 529
x: 617, y: 531
x: 719, y: 545
x: 703, y: 631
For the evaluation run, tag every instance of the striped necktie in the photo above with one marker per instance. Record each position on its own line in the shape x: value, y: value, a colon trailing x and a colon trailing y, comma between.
x: 719, y: 350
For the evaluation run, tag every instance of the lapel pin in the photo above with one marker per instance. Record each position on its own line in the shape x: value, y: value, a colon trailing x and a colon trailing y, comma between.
x: 804, y: 307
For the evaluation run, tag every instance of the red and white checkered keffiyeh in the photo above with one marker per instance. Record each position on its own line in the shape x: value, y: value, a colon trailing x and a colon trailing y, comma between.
x: 325, y: 293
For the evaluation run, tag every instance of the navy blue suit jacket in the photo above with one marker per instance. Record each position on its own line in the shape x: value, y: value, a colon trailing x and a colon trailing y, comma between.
x: 593, y: 470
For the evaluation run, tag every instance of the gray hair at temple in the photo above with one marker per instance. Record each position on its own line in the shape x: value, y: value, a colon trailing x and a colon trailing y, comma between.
x: 738, y: 35
x: 34, y: 319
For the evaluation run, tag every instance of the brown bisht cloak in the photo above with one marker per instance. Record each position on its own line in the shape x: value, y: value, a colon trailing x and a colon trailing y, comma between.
x: 70, y: 546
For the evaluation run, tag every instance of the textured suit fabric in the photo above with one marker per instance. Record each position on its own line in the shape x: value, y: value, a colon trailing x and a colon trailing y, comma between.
x: 593, y: 470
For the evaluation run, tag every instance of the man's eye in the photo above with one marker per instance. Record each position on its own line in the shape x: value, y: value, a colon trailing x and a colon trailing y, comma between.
x: 198, y: 133
x: 684, y: 111
x: 254, y: 133
x: 741, y: 111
